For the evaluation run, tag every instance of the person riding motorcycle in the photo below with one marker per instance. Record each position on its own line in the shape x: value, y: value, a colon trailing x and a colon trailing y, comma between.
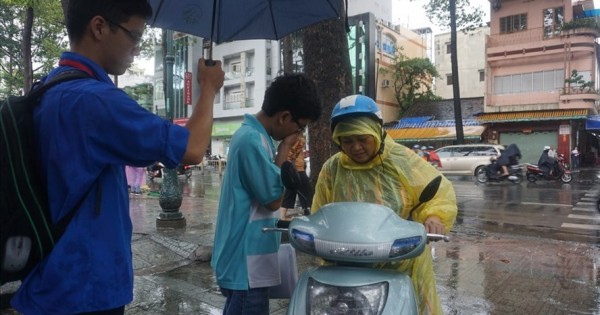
x: 509, y: 157
x: 546, y: 163
x: 371, y: 167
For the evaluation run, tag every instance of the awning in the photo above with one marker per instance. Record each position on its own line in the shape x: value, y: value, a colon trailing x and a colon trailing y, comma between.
x: 180, y: 121
x: 536, y: 115
x: 415, y: 120
x: 433, y: 134
x: 592, y: 122
x: 430, y: 124
x: 225, y: 129
x: 219, y: 129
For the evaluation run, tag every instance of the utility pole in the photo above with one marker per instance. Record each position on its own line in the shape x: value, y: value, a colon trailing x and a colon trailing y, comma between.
x: 460, y: 138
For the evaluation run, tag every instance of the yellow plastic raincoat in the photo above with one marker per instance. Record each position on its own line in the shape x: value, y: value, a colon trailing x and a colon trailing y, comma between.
x: 395, y: 179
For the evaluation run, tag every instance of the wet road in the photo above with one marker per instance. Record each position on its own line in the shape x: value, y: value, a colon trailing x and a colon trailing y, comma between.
x: 516, y: 249
x: 512, y: 252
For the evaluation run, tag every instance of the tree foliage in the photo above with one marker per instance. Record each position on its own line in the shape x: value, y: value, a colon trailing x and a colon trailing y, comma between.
x: 468, y: 17
x: 30, y: 48
x: 412, y: 80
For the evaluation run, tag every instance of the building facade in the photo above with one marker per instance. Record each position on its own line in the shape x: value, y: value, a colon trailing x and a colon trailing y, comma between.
x: 531, y: 98
x: 373, y: 44
x: 249, y: 67
x: 471, y: 63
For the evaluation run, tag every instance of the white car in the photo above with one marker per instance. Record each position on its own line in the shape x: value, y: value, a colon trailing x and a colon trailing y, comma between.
x: 466, y: 159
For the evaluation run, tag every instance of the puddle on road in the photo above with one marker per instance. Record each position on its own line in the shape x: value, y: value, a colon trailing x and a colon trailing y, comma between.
x: 517, y: 275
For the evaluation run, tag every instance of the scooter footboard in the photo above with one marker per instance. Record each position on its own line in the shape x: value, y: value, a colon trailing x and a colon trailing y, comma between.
x: 339, y: 288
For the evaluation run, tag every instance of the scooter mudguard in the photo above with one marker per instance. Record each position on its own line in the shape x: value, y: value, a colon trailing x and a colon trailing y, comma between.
x: 337, y: 290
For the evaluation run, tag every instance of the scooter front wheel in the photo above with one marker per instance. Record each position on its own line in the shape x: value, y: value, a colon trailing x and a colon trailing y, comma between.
x: 531, y: 177
x: 566, y: 178
x: 481, y: 175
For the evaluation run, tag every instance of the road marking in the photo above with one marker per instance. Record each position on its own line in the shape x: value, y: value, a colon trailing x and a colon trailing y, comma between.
x: 584, y: 217
x: 583, y: 203
x: 587, y: 209
x: 581, y: 226
x: 589, y: 199
x: 545, y: 204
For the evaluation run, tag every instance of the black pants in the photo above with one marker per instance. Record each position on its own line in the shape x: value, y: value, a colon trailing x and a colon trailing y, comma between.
x: 305, y: 194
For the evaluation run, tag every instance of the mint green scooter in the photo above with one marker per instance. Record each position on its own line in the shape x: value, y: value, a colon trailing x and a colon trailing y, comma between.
x: 352, y: 237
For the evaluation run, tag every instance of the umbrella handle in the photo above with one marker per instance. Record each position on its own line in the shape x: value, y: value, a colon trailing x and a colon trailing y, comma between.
x: 209, y: 62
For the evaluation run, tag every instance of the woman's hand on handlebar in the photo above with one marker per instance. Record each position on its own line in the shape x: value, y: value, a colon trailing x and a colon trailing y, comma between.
x: 434, y: 225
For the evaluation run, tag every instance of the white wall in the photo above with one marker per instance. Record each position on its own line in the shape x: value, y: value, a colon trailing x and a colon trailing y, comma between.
x: 471, y: 60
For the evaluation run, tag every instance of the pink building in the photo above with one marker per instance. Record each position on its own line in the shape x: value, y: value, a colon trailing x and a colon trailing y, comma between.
x: 541, y: 75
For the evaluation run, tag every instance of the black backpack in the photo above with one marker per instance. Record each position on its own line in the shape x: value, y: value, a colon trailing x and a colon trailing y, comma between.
x: 26, y: 232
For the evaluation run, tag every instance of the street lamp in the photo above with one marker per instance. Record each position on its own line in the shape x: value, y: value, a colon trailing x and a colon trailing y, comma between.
x: 170, y: 193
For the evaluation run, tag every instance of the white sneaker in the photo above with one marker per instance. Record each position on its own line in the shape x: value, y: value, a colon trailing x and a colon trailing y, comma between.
x: 512, y: 177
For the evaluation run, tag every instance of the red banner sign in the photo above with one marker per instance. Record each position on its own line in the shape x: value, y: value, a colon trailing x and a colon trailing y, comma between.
x: 187, y: 89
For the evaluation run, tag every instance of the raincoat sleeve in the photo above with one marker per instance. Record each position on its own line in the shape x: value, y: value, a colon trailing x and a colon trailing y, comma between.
x: 415, y: 174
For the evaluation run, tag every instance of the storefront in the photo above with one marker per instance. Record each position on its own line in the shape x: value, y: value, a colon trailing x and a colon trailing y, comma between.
x: 532, y: 130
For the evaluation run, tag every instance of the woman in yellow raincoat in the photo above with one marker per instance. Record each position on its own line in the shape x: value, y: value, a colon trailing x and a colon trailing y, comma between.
x: 373, y: 168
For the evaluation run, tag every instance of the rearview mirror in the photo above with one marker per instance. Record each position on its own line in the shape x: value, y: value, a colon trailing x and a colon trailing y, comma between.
x: 430, y: 190
x: 427, y: 194
x: 290, y: 176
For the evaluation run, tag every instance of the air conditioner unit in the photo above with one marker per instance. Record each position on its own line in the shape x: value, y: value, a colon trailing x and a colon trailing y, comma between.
x: 385, y: 83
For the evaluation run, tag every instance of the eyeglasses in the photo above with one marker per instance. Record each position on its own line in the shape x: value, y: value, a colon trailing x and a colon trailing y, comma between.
x: 135, y: 38
x: 300, y: 127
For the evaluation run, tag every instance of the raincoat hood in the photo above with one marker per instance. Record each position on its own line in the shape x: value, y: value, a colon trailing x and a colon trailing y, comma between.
x: 361, y: 125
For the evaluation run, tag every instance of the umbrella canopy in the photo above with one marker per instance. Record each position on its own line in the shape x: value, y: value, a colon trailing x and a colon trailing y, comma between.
x: 229, y: 20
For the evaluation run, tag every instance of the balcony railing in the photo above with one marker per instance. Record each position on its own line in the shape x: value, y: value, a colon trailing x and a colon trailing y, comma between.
x: 229, y: 105
x: 534, y: 35
x: 577, y: 90
x: 527, y: 36
x: 230, y: 75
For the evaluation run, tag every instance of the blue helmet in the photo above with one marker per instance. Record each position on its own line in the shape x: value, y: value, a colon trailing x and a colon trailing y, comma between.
x: 355, y: 105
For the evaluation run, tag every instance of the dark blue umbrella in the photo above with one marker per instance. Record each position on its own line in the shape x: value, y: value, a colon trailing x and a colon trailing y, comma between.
x: 229, y: 20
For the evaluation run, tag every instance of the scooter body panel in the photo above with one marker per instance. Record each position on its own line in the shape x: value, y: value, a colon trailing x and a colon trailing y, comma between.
x: 334, y: 233
x: 400, y: 297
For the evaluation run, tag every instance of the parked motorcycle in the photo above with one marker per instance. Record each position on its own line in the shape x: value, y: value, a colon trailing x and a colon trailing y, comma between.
x: 156, y: 170
x: 352, y: 284
x: 560, y: 172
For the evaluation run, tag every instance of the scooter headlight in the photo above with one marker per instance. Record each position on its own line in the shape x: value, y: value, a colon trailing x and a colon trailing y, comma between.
x: 304, y: 240
x: 404, y: 246
x: 324, y: 299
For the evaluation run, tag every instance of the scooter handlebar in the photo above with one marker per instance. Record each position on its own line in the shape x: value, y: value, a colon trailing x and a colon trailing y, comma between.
x: 437, y: 237
x: 270, y: 229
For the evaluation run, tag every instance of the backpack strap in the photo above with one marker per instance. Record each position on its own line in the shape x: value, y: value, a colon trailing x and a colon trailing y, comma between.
x: 68, y: 75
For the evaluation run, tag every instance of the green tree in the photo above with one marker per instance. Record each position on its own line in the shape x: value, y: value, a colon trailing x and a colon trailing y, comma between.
x: 412, y: 80
x: 327, y: 61
x: 32, y: 36
x: 461, y: 15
